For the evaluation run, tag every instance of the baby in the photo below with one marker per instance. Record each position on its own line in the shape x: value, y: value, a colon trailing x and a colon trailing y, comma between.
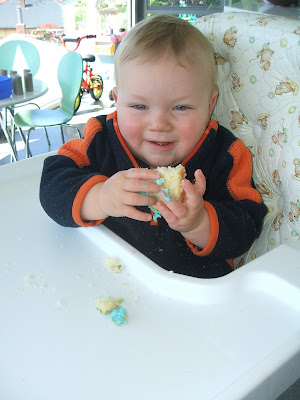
x: 165, y: 94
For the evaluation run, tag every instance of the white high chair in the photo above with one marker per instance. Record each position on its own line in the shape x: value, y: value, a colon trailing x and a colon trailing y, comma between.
x: 258, y: 62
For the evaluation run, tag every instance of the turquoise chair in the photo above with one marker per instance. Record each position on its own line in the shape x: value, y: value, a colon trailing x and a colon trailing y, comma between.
x: 19, y: 55
x: 69, y: 78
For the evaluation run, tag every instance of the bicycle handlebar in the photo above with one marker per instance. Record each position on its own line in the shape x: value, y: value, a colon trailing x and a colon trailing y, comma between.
x: 65, y: 40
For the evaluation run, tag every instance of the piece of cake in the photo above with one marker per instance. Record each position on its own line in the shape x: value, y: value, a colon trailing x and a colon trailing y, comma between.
x: 171, y: 178
x: 170, y: 183
x: 107, y: 304
x: 111, y: 306
x: 113, y: 264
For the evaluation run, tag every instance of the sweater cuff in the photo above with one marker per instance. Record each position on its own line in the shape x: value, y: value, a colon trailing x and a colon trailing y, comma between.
x: 80, y: 196
x: 214, y: 233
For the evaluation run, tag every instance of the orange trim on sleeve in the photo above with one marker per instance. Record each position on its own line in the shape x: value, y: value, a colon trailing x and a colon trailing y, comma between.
x: 212, y: 124
x: 113, y: 116
x: 214, y: 233
x: 76, y: 149
x: 239, y: 179
x: 230, y: 262
x: 80, y: 197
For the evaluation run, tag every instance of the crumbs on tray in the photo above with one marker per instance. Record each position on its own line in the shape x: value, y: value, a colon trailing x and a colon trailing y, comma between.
x: 111, y: 306
x: 113, y: 264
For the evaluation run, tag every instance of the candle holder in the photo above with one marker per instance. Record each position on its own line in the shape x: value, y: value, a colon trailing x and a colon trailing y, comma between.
x: 17, y: 84
x: 28, y: 80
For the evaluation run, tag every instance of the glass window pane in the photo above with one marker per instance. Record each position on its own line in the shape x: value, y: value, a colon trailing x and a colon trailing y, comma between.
x: 183, y: 3
x: 187, y: 17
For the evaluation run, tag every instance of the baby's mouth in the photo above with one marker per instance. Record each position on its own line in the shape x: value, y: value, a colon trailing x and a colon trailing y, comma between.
x: 160, y: 144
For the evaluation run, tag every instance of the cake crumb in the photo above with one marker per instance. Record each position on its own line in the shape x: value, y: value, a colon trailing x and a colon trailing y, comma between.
x: 113, y: 264
x: 107, y: 304
x: 119, y: 316
x: 111, y: 306
x: 59, y: 304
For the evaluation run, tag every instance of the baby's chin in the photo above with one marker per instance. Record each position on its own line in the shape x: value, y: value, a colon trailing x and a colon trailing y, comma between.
x: 154, y: 160
x: 162, y: 162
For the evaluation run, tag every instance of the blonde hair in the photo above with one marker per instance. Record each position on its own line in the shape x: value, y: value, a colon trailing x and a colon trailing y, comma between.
x: 165, y: 34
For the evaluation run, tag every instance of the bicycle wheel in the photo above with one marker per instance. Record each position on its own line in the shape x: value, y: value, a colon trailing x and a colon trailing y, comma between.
x: 78, y: 100
x: 96, y: 87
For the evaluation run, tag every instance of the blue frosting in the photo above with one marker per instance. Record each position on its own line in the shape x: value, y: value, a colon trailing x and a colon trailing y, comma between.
x: 165, y: 194
x: 156, y: 213
x: 118, y: 316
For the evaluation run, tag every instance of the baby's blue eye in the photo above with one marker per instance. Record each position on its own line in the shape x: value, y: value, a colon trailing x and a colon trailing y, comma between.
x: 181, y: 108
x: 139, y: 107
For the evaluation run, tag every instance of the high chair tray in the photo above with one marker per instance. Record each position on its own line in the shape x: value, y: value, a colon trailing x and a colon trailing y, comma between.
x: 235, y: 337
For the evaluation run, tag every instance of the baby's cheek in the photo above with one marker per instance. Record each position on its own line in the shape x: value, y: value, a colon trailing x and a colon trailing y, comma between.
x: 192, y: 130
x: 131, y: 130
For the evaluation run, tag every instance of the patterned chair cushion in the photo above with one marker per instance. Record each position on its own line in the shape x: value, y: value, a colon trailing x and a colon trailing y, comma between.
x: 258, y: 63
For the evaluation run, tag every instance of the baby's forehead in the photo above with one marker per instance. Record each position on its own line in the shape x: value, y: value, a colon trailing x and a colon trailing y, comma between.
x: 133, y: 74
x: 186, y: 60
x: 190, y: 58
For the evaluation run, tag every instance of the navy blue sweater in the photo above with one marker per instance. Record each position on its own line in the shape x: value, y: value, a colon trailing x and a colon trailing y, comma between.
x: 235, y: 207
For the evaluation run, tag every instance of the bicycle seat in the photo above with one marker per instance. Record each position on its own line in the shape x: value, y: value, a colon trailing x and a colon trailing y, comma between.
x: 89, y: 58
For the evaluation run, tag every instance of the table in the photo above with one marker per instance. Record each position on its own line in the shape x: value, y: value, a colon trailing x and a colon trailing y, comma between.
x: 7, y: 105
x: 235, y: 337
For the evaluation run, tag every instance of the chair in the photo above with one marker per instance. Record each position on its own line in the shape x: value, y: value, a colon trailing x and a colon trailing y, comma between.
x: 257, y: 58
x: 19, y: 55
x: 69, y: 77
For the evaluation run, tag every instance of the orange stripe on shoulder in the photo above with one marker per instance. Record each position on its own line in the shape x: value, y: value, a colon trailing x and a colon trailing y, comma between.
x: 76, y: 149
x: 239, y: 179
x: 111, y: 116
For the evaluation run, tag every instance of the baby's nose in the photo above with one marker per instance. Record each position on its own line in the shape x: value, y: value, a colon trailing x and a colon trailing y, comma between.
x: 160, y: 123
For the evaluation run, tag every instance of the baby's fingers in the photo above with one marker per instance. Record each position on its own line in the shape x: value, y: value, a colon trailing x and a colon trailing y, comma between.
x: 142, y: 173
x: 133, y: 213
x: 138, y: 199
x: 194, y: 192
x: 140, y: 186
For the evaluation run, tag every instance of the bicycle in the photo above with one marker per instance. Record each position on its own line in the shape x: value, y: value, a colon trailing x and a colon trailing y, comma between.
x: 91, y: 83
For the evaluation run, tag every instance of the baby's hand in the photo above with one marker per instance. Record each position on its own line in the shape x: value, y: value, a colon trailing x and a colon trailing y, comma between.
x: 122, y: 192
x: 190, y: 216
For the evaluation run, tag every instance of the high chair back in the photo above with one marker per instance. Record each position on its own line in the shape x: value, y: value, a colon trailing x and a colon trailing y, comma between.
x: 258, y: 59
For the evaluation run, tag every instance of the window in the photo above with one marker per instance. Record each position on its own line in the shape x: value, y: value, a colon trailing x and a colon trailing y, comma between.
x: 183, y: 8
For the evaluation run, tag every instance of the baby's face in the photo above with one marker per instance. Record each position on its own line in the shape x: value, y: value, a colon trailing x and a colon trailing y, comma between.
x: 163, y: 109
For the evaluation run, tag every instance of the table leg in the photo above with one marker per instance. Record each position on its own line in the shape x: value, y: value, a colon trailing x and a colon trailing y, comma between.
x: 3, y: 122
x: 13, y: 129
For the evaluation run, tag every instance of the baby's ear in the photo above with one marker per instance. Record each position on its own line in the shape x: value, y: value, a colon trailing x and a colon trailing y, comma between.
x: 213, y: 100
x: 114, y: 92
